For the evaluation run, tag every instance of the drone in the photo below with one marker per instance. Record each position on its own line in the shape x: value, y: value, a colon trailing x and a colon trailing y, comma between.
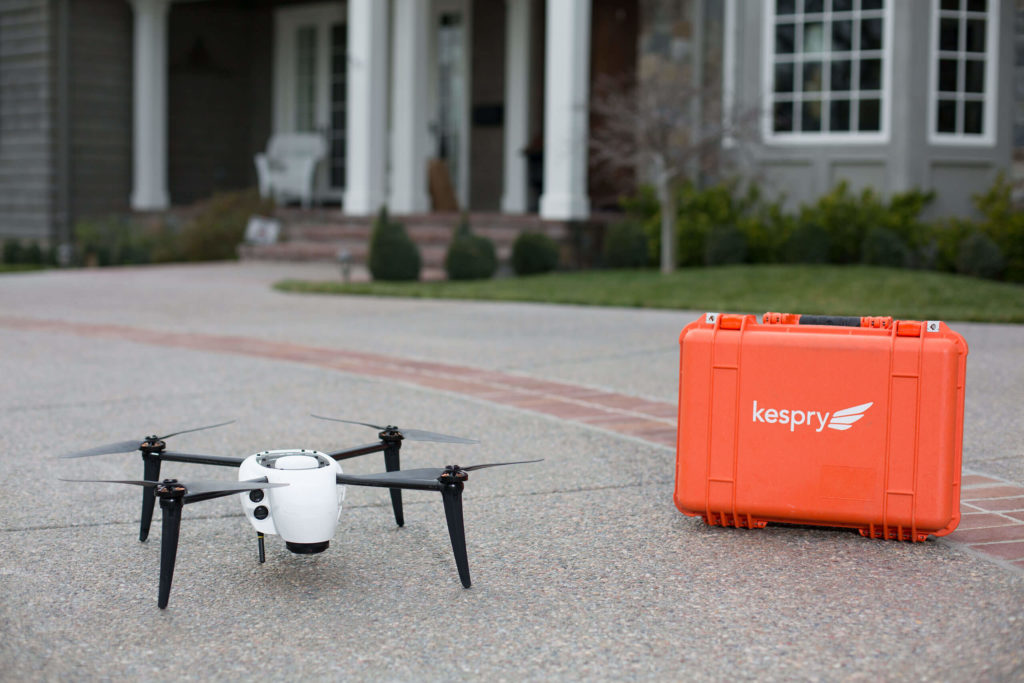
x: 296, y: 494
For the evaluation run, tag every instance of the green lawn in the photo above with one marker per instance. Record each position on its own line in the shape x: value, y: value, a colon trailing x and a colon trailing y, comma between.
x: 836, y: 290
x: 19, y: 267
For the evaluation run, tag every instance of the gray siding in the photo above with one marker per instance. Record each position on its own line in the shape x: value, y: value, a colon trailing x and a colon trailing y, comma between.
x: 26, y: 122
x: 909, y: 160
x: 101, y: 106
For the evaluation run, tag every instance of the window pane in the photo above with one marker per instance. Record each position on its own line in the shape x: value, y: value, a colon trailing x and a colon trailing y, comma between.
x: 839, y: 115
x: 814, y: 37
x: 784, y: 77
x: 975, y: 35
x: 784, y: 35
x: 841, y: 76
x: 871, y: 4
x: 841, y: 33
x: 972, y: 117
x: 871, y: 74
x: 947, y: 75
x: 842, y: 5
x: 949, y: 34
x: 946, y: 116
x: 812, y: 77
x: 786, y: 7
x: 870, y: 113
x: 811, y: 113
x: 783, y: 119
x: 305, y: 80
x: 974, y: 75
x: 871, y: 34
x: 976, y: 5
x: 811, y: 6
x: 951, y: 4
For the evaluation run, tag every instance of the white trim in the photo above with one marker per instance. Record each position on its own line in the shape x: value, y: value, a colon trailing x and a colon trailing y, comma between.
x: 989, y: 97
x: 728, y: 72
x: 808, y: 138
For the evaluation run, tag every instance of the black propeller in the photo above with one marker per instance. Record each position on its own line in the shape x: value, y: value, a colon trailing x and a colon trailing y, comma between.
x: 173, y: 495
x: 410, y: 434
x: 391, y: 438
x: 449, y: 481
x: 129, y: 446
x: 153, y: 451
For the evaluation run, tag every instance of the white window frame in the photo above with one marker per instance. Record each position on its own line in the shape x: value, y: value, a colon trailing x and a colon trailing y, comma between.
x: 772, y: 137
x: 989, y: 96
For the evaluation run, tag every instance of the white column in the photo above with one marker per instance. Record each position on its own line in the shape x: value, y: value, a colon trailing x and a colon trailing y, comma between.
x: 566, y: 101
x: 149, y: 178
x: 515, y: 198
x: 367, y: 107
x: 408, y: 95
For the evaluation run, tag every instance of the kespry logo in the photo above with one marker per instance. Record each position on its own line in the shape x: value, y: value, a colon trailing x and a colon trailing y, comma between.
x: 840, y: 420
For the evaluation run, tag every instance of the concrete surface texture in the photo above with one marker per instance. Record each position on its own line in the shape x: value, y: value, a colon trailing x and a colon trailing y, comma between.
x: 582, y: 567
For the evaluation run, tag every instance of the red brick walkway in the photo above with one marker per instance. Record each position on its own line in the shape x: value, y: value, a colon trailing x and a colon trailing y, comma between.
x: 993, y: 510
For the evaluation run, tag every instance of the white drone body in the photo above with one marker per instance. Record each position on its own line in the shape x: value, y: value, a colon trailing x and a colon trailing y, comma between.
x: 305, y: 512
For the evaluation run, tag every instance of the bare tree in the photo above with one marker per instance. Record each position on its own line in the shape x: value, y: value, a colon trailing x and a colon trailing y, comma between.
x: 667, y: 127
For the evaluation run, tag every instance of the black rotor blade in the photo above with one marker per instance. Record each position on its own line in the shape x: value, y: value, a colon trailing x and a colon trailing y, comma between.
x: 195, y: 429
x: 410, y: 434
x: 134, y: 482
x: 194, y: 490
x: 498, y: 464
x: 108, y: 449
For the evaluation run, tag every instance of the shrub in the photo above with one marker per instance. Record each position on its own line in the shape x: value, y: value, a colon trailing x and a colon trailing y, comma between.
x: 470, y: 257
x: 534, y: 252
x: 110, y: 241
x: 219, y: 225
x: 808, y: 243
x: 33, y: 254
x: 12, y: 250
x: 1004, y: 223
x: 625, y: 245
x: 980, y: 256
x: 883, y: 247
x: 393, y: 255
x: 725, y: 245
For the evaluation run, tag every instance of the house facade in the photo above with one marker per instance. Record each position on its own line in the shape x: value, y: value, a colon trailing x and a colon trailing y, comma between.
x: 114, y: 105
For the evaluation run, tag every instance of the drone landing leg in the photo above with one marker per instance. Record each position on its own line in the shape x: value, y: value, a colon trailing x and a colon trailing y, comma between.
x: 151, y: 472
x: 392, y: 464
x: 451, y: 494
x: 259, y: 542
x: 171, y: 508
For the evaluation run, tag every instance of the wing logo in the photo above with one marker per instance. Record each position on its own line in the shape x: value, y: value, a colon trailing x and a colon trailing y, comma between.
x: 844, y: 419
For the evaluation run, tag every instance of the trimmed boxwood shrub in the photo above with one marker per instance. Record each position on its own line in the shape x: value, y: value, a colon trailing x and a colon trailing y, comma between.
x: 470, y: 257
x: 980, y: 256
x: 725, y: 245
x: 534, y: 252
x: 393, y: 254
x: 625, y: 245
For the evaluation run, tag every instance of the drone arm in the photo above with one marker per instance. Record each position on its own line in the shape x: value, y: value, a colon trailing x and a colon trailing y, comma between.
x: 220, y: 460
x: 376, y: 447
x: 380, y: 481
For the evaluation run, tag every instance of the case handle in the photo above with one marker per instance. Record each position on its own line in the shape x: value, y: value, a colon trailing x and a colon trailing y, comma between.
x: 877, y: 321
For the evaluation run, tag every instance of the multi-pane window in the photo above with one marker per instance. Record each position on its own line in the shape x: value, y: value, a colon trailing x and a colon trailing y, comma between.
x: 827, y: 69
x: 305, y: 79
x: 963, y: 70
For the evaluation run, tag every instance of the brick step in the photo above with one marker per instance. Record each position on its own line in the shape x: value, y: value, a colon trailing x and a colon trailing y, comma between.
x: 432, y: 255
x: 421, y: 234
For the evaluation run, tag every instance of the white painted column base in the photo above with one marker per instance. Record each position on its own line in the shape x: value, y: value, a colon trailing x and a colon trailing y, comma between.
x: 149, y: 131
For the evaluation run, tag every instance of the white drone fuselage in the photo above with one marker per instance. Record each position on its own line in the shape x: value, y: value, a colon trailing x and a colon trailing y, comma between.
x: 305, y: 513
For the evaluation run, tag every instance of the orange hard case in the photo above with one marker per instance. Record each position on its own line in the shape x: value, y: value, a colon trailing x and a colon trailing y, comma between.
x: 824, y: 424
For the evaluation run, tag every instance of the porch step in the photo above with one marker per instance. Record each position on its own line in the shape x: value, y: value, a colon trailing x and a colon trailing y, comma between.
x: 319, y: 235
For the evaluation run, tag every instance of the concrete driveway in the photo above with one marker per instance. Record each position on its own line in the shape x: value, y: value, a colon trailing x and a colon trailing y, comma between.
x: 582, y: 567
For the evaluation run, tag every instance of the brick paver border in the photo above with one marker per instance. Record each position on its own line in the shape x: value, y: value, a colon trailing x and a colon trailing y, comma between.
x: 992, y: 510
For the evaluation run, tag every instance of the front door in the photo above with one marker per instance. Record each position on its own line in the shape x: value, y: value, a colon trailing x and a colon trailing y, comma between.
x: 310, y: 68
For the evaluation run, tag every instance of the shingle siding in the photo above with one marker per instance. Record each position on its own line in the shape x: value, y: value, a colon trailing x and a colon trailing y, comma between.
x: 26, y: 104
